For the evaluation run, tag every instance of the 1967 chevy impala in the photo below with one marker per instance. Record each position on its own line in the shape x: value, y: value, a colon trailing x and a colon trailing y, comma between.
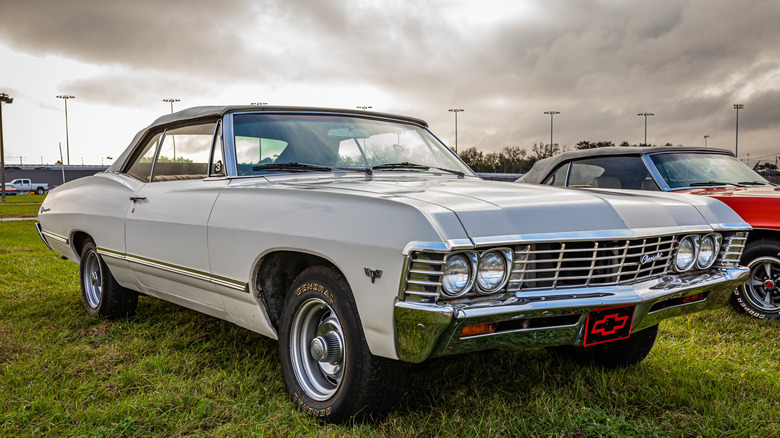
x: 362, y: 243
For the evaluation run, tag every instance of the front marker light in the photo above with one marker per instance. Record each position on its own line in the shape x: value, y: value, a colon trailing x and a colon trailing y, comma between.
x: 686, y: 253
x: 458, y: 275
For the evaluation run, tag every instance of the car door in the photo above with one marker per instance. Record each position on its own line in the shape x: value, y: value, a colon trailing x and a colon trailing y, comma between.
x: 166, y: 222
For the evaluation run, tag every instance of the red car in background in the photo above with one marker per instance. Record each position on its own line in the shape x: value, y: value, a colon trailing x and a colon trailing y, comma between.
x: 709, y: 172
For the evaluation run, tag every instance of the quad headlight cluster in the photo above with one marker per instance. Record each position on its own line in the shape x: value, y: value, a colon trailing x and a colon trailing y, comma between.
x: 697, y: 252
x: 485, y: 272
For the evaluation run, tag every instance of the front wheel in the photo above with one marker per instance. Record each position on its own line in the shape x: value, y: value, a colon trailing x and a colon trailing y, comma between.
x: 615, y: 354
x: 100, y: 293
x: 759, y: 296
x: 327, y: 366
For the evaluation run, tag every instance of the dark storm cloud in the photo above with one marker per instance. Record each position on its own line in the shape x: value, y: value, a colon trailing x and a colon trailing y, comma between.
x: 598, y: 62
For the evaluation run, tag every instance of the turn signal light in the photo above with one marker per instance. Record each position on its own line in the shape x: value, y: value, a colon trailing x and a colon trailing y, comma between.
x: 478, y: 329
x: 693, y: 298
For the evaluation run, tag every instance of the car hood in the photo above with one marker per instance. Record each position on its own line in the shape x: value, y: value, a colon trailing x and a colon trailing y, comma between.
x: 758, y: 205
x: 491, y: 212
x: 736, y: 192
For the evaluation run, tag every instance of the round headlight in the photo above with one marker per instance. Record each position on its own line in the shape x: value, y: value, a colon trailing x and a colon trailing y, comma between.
x: 491, y: 272
x: 708, y: 251
x: 457, y: 275
x: 686, y: 254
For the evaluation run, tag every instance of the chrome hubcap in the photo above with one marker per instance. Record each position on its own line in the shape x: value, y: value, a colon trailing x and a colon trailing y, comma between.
x: 317, y: 349
x: 761, y: 288
x: 93, y: 289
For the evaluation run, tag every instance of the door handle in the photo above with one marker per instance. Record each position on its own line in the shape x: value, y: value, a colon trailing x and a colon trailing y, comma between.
x: 137, y: 198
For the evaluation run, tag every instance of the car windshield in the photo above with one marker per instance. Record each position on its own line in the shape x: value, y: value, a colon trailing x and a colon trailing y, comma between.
x: 681, y: 170
x: 267, y: 143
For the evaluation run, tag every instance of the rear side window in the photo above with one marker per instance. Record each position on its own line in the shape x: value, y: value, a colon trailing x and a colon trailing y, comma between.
x: 177, y: 154
x: 558, y: 178
x: 142, y: 167
x: 185, y: 153
x: 625, y: 171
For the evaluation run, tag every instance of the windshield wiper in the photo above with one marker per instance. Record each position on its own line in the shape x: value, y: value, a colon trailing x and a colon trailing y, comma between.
x: 714, y: 183
x: 753, y: 183
x: 292, y: 166
x: 407, y: 165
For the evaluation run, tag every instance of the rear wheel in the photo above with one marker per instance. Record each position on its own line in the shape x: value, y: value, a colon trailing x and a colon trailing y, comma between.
x: 759, y: 296
x: 100, y: 293
x: 615, y: 354
x: 39, y: 190
x: 327, y: 366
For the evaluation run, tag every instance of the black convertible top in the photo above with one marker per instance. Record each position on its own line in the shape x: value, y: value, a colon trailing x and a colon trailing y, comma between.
x: 206, y: 112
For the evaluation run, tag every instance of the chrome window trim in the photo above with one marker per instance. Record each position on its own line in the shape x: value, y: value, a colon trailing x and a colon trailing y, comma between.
x: 647, y: 159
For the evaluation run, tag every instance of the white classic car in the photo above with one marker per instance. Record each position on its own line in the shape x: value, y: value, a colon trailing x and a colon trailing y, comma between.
x: 362, y: 243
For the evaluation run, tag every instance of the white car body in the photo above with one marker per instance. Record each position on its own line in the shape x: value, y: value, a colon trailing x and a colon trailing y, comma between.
x: 207, y: 243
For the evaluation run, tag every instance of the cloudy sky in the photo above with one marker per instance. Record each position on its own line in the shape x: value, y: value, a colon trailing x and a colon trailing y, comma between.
x: 505, y: 62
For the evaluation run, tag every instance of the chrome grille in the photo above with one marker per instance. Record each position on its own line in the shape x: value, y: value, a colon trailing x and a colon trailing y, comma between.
x: 423, y: 276
x: 731, y: 249
x: 556, y: 265
x: 562, y: 265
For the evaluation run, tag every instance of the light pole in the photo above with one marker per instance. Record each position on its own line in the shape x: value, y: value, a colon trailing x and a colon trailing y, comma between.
x: 364, y: 107
x: 4, y: 98
x: 171, y: 100
x: 173, y: 138
x: 552, y: 114
x: 456, y: 111
x: 65, y: 97
x: 705, y: 140
x: 645, y: 116
x: 737, y: 106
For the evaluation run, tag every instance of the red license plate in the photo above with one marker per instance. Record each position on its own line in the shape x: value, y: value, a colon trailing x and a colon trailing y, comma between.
x: 608, y: 324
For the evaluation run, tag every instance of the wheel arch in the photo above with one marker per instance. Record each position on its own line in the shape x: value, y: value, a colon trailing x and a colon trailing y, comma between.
x: 275, y: 273
x: 764, y: 234
x: 78, y: 240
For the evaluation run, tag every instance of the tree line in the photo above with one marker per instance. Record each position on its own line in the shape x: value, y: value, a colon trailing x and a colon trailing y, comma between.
x: 514, y: 159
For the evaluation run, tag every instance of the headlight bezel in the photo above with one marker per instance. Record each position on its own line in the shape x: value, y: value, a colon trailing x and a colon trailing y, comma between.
x: 717, y: 241
x: 474, y: 261
x: 697, y: 242
x: 471, y: 259
x: 505, y: 255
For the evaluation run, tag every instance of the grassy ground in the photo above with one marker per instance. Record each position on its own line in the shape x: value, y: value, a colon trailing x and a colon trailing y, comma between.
x: 173, y: 372
x: 21, y: 206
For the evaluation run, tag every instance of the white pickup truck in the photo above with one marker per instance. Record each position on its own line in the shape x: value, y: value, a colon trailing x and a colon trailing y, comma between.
x: 24, y: 185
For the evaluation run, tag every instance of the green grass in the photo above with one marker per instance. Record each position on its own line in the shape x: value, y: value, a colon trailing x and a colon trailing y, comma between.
x: 172, y: 372
x: 21, y: 199
x: 21, y: 206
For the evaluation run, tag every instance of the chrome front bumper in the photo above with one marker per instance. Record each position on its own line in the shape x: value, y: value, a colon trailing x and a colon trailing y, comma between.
x: 550, y: 318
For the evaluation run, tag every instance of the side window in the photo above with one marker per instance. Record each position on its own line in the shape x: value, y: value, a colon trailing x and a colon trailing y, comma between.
x: 142, y: 166
x: 618, y: 172
x: 583, y: 173
x: 185, y: 153
x: 558, y: 178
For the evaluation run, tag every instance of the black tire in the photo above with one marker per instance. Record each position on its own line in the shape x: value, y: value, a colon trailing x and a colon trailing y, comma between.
x: 100, y: 293
x: 327, y: 366
x: 39, y: 190
x: 759, y: 296
x: 615, y: 354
